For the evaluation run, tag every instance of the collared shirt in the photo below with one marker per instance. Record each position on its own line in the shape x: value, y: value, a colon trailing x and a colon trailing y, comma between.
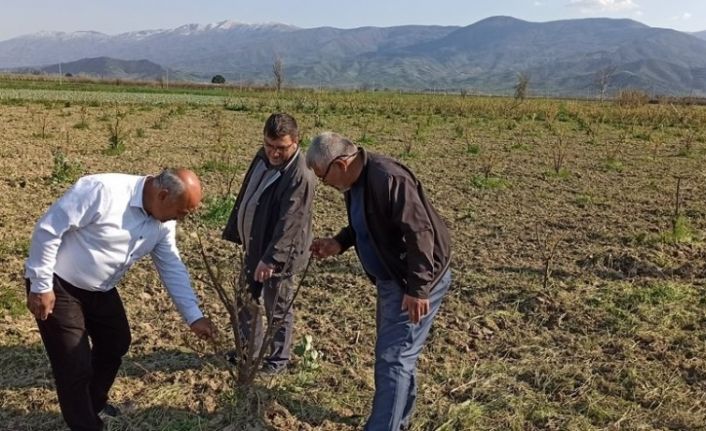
x: 262, y: 177
x: 96, y: 231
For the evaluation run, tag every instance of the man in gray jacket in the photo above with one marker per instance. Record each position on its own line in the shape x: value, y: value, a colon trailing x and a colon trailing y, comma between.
x: 405, y: 249
x: 271, y: 219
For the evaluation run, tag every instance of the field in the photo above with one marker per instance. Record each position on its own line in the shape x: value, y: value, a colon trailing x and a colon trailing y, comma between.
x: 579, y: 274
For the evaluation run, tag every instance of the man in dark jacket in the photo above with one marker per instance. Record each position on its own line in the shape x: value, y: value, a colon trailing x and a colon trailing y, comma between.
x: 404, y: 248
x: 272, y: 220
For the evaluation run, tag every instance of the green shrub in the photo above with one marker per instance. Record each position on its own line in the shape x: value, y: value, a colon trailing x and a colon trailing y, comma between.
x: 239, y: 106
x: 681, y: 232
x: 561, y: 174
x: 216, y: 210
x: 309, y: 356
x: 489, y: 183
x: 116, y: 137
x: 64, y: 170
x: 472, y: 149
x: 613, y: 165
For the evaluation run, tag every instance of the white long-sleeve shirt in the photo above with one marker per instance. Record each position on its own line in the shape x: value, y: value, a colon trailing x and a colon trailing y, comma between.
x: 93, y: 234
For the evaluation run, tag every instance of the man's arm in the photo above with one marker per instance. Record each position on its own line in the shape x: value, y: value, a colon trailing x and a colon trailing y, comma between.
x: 77, y: 208
x: 322, y: 248
x: 346, y: 238
x: 175, y: 277
x: 410, y: 215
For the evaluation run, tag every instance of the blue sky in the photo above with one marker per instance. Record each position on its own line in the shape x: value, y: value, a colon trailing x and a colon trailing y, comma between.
x: 117, y: 16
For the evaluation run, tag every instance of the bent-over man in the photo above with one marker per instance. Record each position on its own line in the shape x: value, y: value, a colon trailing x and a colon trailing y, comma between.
x: 404, y: 248
x: 80, y: 250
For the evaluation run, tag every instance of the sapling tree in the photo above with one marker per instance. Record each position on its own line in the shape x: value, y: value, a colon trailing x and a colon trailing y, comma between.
x: 548, y: 245
x: 117, y: 133
x: 559, y: 151
x: 247, y: 353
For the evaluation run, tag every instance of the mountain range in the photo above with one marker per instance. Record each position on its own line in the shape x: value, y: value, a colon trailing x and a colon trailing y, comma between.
x: 559, y: 57
x: 104, y: 67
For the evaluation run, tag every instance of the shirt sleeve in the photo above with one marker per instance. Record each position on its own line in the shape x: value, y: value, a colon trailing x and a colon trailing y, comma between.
x: 174, y: 275
x: 410, y: 215
x: 80, y: 206
x: 346, y: 238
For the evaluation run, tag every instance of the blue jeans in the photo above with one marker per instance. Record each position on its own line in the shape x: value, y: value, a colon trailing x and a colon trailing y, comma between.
x: 399, y: 342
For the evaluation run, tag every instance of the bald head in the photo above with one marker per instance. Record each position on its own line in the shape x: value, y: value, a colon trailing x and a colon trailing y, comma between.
x: 172, y: 194
x: 191, y: 185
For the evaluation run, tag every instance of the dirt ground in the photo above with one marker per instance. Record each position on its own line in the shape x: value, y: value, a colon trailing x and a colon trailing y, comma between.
x: 578, y: 295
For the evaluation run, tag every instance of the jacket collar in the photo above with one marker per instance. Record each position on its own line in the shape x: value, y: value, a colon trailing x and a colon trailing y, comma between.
x: 364, y: 171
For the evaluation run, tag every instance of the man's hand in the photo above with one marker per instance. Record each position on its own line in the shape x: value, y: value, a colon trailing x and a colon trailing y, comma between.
x: 416, y: 307
x: 41, y: 304
x: 263, y: 272
x: 325, y: 247
x: 204, y: 329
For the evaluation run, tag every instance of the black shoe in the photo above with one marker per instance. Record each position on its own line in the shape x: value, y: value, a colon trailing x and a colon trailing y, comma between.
x: 110, y: 410
x: 232, y: 357
x: 272, y: 369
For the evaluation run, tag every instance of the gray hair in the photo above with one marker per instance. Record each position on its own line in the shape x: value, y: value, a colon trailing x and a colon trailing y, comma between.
x: 327, y: 146
x: 169, y: 180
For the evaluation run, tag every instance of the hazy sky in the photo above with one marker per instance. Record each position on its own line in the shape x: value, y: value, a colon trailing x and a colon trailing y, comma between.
x: 117, y: 16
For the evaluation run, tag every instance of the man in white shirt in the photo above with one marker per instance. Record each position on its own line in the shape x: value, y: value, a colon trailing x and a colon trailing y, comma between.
x: 80, y: 250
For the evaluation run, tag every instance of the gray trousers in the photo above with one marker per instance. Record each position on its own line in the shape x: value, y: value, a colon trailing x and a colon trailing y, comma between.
x: 276, y: 294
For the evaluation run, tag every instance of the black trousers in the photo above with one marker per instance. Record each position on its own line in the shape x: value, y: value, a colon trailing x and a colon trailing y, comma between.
x: 277, y: 294
x: 84, y: 371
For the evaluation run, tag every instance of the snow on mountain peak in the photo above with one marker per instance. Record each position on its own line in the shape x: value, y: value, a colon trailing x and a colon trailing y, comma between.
x: 62, y: 35
x: 228, y: 25
x: 184, y: 30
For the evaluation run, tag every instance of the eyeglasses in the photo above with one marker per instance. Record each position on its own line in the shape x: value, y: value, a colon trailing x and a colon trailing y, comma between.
x: 328, y: 168
x: 278, y: 149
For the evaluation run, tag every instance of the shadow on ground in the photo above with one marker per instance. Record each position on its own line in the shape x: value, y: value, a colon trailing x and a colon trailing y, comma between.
x: 27, y: 366
x: 26, y: 377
